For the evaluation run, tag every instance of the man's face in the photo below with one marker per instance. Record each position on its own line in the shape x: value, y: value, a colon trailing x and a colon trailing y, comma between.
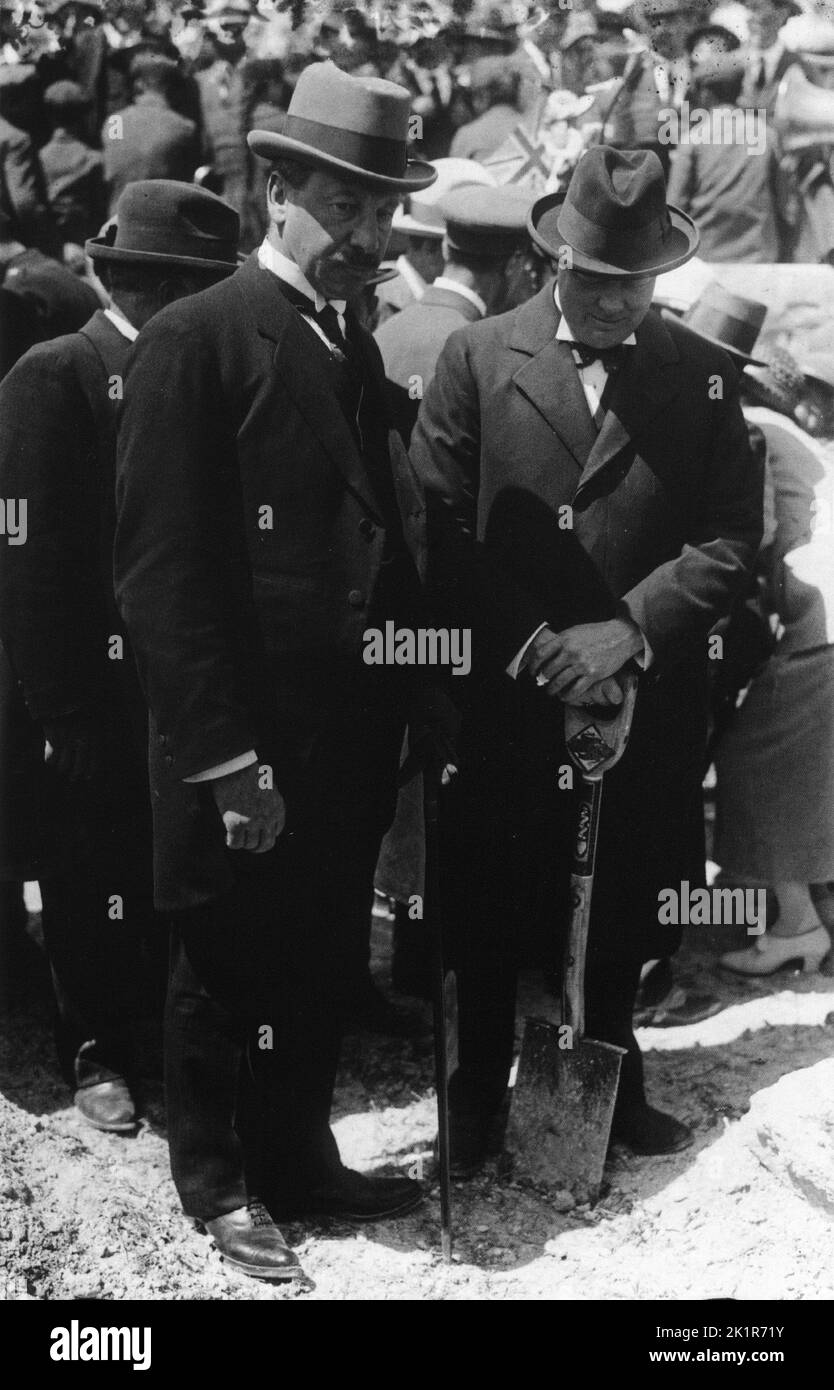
x: 335, y: 229
x: 602, y: 310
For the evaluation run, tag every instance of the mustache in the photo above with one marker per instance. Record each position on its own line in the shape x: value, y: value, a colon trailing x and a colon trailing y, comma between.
x: 356, y: 262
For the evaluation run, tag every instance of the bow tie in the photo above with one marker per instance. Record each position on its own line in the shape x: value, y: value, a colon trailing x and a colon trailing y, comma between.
x: 612, y: 358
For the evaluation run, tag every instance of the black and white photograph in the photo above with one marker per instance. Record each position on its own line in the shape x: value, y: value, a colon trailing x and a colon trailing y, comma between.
x: 417, y: 669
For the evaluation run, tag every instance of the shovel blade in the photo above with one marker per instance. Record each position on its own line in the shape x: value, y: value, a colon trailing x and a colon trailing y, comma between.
x: 562, y: 1107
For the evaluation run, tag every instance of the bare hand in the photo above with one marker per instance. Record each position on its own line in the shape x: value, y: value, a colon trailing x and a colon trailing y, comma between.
x: 253, y: 816
x: 577, y: 665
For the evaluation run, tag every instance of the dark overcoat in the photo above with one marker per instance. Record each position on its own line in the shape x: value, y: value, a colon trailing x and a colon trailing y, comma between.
x: 66, y: 648
x: 249, y: 545
x: 535, y: 517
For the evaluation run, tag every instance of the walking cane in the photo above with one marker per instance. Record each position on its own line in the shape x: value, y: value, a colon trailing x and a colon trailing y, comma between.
x: 443, y: 998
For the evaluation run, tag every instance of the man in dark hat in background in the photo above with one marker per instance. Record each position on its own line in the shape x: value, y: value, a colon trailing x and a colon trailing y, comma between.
x: 264, y: 504
x: 487, y: 268
x: 592, y: 503
x: 148, y: 139
x: 74, y: 171
x: 81, y: 822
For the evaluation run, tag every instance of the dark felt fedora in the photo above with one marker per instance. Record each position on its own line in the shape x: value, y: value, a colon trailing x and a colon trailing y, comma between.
x: 614, y: 217
x: 164, y: 222
x: 350, y: 125
x: 728, y: 320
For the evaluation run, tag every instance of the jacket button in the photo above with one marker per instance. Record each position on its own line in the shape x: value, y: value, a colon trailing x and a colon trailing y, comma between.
x: 367, y: 528
x: 356, y: 598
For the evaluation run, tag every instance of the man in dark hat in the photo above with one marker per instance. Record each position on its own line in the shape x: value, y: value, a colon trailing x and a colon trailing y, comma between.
x: 592, y: 503
x: 74, y: 171
x: 148, y: 139
x: 79, y: 817
x: 263, y: 508
x: 487, y: 267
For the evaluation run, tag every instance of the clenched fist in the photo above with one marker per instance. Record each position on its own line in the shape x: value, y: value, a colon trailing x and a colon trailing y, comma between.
x: 253, y: 817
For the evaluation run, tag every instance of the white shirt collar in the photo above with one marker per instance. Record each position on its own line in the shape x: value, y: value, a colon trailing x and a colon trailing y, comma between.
x: 124, y: 325
x: 564, y: 332
x: 412, y: 277
x: 443, y: 282
x: 270, y: 258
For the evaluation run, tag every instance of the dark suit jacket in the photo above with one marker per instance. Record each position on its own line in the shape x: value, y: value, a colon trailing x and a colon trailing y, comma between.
x: 57, y: 610
x: 667, y: 516
x: 245, y: 621
x: 412, y: 340
x: 153, y: 142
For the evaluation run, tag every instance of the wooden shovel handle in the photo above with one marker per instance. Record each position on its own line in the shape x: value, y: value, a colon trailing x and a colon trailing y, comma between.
x: 581, y: 885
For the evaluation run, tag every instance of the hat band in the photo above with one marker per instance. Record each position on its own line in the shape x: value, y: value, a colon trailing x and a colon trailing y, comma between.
x: 376, y: 154
x: 629, y: 247
x: 200, y: 248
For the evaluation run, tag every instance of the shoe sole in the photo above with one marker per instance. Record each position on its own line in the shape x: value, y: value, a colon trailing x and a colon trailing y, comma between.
x: 262, y: 1271
x: 128, y: 1127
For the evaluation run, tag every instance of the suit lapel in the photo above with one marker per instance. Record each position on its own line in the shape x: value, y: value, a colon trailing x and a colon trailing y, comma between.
x: 277, y: 320
x: 645, y: 385
x: 548, y: 378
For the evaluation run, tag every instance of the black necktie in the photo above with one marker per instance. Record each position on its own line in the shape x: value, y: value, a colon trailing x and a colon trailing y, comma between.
x: 345, y: 361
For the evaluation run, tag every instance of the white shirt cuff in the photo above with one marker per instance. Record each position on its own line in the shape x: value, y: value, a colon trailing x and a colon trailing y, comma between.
x: 518, y: 660
x: 224, y: 769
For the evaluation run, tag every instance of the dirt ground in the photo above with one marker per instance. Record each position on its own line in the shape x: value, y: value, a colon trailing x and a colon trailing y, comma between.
x: 747, y: 1213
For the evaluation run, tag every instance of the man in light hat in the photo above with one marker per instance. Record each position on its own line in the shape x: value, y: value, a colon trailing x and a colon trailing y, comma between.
x: 488, y: 266
x: 421, y: 222
x: 81, y: 816
x: 592, y: 502
x: 264, y: 505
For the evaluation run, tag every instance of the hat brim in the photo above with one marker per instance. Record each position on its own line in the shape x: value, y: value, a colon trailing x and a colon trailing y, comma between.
x: 679, y: 248
x: 740, y: 356
x: 268, y: 144
x: 411, y: 227
x: 99, y: 250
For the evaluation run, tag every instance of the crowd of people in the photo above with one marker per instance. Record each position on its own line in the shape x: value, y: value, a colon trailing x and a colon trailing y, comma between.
x: 318, y: 322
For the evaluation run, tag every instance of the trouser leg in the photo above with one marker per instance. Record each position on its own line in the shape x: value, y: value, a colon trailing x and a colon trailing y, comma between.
x: 99, y: 973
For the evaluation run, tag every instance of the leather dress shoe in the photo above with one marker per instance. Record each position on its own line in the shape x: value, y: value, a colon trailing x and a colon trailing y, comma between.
x: 107, y: 1105
x: 349, y: 1196
x: 646, y: 1131
x: 249, y: 1240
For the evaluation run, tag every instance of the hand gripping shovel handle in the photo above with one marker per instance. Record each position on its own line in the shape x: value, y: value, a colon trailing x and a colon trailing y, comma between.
x: 596, y: 740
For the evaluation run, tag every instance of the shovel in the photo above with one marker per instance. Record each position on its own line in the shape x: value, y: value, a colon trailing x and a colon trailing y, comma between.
x: 566, y: 1085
